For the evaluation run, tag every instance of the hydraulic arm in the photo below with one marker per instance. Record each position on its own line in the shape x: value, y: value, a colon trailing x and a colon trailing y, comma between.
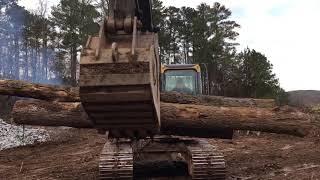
x: 119, y: 72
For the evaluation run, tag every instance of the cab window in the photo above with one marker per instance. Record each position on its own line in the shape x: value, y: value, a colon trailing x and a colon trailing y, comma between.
x: 182, y: 81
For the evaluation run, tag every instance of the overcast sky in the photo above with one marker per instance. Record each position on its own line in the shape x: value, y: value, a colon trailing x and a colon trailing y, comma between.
x: 286, y: 31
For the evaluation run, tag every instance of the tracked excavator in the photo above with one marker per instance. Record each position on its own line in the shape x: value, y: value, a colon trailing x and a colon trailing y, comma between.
x: 120, y: 91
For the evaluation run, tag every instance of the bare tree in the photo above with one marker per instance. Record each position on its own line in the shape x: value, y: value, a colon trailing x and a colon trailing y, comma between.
x: 42, y: 8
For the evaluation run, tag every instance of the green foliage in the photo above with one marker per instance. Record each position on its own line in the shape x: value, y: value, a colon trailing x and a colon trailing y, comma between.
x: 176, y: 32
x: 44, y: 48
x: 13, y: 45
x: 36, y: 48
x: 257, y: 77
x: 282, y: 98
x: 214, y: 34
x: 75, y: 21
x: 159, y: 21
x: 207, y: 36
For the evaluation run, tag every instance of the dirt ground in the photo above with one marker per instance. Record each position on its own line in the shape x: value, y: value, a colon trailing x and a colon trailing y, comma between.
x: 73, y: 156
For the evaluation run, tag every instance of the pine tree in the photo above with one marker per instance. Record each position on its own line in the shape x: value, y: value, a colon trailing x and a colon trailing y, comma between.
x: 258, y: 80
x: 186, y: 33
x: 213, y: 44
x: 75, y: 20
x: 36, y: 48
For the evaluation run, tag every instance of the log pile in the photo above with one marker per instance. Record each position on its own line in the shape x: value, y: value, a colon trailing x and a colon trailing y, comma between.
x: 71, y: 94
x: 196, y: 116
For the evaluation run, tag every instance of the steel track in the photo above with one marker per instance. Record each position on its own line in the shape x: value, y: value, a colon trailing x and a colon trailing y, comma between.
x: 116, y: 161
x: 206, y: 162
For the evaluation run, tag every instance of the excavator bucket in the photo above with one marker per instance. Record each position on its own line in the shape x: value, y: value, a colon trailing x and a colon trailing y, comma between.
x: 119, y: 75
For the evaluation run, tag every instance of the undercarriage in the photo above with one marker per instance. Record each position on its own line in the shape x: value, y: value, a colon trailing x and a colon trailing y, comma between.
x: 161, y: 158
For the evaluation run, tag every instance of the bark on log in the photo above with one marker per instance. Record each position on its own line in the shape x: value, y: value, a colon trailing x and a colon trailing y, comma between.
x: 184, y: 118
x: 43, y: 113
x: 176, y: 119
x: 216, y: 100
x: 68, y: 94
x: 38, y: 91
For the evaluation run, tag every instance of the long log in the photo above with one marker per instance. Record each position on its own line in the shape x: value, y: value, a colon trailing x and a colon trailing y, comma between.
x: 38, y: 91
x: 179, y: 98
x: 54, y: 114
x: 185, y: 118
x: 69, y: 94
x: 176, y: 119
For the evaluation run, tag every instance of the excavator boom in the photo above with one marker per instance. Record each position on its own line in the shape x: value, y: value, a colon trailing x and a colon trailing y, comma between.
x: 119, y: 72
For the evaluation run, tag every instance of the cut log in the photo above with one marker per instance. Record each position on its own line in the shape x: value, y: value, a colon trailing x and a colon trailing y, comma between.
x: 54, y: 114
x: 68, y: 94
x: 38, y: 91
x: 181, y: 119
x: 176, y: 119
x: 179, y: 98
x: 43, y: 113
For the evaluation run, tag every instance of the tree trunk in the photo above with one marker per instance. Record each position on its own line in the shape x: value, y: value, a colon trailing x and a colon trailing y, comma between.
x: 33, y: 65
x: 67, y: 94
x: 217, y: 100
x: 16, y: 57
x: 11, y: 59
x: 38, y: 91
x: 26, y: 62
x: 1, y: 60
x: 74, y: 65
x: 180, y: 118
x: 176, y: 119
x: 43, y: 113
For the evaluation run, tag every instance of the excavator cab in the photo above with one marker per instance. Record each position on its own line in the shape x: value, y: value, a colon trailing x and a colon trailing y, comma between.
x: 182, y: 78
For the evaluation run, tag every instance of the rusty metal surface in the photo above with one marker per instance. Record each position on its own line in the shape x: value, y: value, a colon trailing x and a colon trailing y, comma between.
x: 127, y: 111
x: 124, y: 73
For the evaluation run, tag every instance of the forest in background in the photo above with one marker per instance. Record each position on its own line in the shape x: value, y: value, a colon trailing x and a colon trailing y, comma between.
x: 44, y: 47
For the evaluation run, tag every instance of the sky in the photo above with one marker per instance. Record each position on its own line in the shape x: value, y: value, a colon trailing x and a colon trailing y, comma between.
x: 287, y: 32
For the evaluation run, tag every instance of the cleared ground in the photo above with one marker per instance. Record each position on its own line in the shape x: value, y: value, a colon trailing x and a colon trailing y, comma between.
x: 74, y: 155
